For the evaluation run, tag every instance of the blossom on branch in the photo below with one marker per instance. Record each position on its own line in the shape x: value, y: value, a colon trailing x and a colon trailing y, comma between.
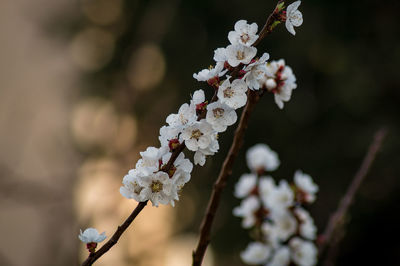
x: 220, y: 116
x: 233, y: 94
x: 280, y: 80
x: 294, y: 18
x: 245, y: 34
x: 91, y: 235
x: 239, y: 54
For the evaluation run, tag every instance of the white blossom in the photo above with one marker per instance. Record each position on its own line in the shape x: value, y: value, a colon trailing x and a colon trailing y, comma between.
x: 285, y: 224
x: 266, y: 185
x: 198, y: 97
x: 255, y: 72
x: 197, y: 135
x: 150, y: 161
x: 305, y: 183
x: 159, y: 188
x: 281, y: 257
x: 186, y: 115
x: 239, y: 54
x: 293, y: 17
x: 220, y: 116
x: 261, y: 157
x: 149, y: 182
x: 209, y: 73
x: 256, y: 253
x: 91, y: 235
x: 220, y: 55
x: 307, y: 227
x: 233, y: 94
x: 180, y: 172
x: 281, y: 197
x: 167, y: 133
x: 131, y: 188
x: 245, y: 34
x: 245, y: 185
x: 271, y: 234
x: 200, y: 154
x: 284, y: 81
x: 304, y: 253
x: 246, y: 210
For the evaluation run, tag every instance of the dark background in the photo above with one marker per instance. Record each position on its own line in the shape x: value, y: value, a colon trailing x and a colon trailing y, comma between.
x: 346, y: 59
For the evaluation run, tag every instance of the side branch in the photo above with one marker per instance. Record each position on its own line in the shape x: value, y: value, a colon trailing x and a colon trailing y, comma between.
x: 114, y: 239
x: 336, y: 221
x: 226, y: 171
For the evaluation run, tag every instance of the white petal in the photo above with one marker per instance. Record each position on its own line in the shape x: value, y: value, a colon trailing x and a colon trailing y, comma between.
x: 289, y: 27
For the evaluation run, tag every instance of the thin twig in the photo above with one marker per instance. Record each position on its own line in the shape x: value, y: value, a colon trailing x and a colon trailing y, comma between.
x: 219, y: 185
x: 336, y: 220
x: 114, y: 239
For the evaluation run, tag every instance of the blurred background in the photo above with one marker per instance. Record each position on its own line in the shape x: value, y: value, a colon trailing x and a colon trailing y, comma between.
x: 85, y: 85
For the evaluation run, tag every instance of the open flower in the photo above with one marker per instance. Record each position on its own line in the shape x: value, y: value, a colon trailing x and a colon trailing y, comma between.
x: 185, y: 115
x: 158, y: 188
x: 220, y: 116
x: 233, y: 94
x: 91, y: 235
x: 293, y: 17
x: 245, y: 34
x: 238, y: 53
x: 200, y: 154
x: 197, y: 135
x: 209, y: 73
x: 256, y: 72
x: 131, y: 188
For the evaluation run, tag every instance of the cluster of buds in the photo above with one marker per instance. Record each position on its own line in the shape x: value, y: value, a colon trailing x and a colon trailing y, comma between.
x: 283, y: 231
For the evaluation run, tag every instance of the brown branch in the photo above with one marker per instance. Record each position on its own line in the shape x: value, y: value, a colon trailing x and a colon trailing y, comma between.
x: 267, y: 28
x: 114, y: 239
x: 332, y: 234
x: 226, y: 171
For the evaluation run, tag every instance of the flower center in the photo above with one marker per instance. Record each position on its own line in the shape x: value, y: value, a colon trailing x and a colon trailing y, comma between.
x: 245, y: 38
x: 183, y: 119
x: 136, y: 188
x: 228, y: 93
x: 156, y: 186
x: 196, y: 134
x: 218, y: 112
x: 240, y: 55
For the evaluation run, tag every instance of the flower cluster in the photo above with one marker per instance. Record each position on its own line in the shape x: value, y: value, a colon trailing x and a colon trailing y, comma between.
x: 283, y: 230
x: 162, y: 172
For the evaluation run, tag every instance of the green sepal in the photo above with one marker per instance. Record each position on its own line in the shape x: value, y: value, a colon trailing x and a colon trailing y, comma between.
x: 280, y: 6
